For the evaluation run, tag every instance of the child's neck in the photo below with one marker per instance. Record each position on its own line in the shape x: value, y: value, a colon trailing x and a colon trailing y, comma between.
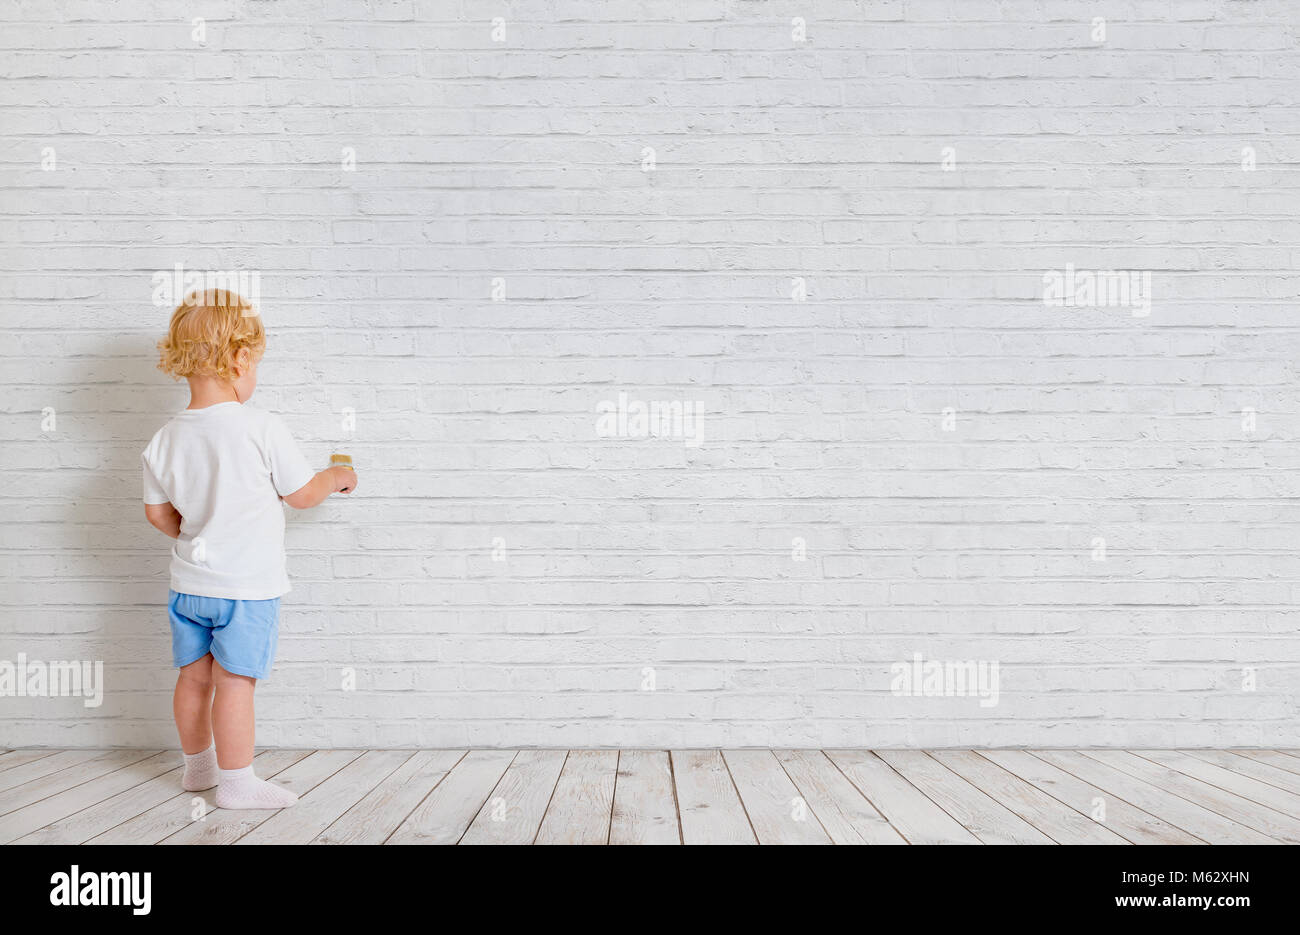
x: 209, y: 391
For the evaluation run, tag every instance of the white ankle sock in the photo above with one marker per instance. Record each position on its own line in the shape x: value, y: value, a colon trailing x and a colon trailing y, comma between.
x: 200, y: 770
x: 240, y: 788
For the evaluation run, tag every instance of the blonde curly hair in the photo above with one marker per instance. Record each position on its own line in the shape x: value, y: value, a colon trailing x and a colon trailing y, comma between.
x: 207, y: 330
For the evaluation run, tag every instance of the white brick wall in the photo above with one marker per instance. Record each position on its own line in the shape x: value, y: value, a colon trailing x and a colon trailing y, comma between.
x: 476, y: 420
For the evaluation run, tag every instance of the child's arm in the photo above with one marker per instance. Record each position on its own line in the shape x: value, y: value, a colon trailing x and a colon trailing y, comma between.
x: 331, y: 480
x: 164, y: 517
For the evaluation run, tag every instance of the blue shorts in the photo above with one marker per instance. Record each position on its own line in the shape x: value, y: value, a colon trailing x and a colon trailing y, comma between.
x: 241, y: 635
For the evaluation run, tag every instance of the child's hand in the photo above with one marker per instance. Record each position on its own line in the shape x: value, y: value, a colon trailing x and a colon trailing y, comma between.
x: 345, y: 479
x: 317, y: 490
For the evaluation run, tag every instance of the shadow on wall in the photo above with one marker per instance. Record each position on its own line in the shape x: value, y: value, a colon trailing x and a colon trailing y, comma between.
x: 117, y: 559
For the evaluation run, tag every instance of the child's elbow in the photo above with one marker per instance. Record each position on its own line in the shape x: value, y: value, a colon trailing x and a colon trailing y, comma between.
x: 301, y: 499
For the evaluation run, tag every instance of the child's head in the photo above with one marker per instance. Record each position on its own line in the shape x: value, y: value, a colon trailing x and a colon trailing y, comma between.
x: 215, y: 334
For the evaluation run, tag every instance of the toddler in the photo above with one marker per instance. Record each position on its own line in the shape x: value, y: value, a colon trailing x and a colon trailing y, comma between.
x: 214, y: 477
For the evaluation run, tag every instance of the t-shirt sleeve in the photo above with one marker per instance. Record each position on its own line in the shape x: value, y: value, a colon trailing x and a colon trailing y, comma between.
x: 289, y: 469
x: 153, y: 490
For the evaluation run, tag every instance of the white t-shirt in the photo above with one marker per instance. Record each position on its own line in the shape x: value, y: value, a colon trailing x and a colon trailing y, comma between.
x: 225, y: 468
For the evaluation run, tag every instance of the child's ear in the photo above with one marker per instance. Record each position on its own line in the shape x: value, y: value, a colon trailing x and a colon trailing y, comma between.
x: 243, y: 360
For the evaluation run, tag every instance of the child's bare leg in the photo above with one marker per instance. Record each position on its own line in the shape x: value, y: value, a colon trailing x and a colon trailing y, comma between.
x: 192, y: 705
x: 232, y: 717
x: 232, y: 724
x: 192, y: 708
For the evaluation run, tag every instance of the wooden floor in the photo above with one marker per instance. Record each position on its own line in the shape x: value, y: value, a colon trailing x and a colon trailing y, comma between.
x: 661, y: 797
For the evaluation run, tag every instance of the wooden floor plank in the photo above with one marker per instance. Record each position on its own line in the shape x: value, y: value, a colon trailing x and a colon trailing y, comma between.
x: 53, y: 808
x: 1239, y: 796
x: 1234, y: 807
x: 448, y: 810
x: 1129, y: 822
x: 51, y: 784
x: 1270, y: 796
x: 20, y: 757
x: 710, y: 809
x: 226, y: 826
x: 513, y: 812
x: 320, y: 807
x: 1205, y: 824
x: 179, y: 811
x: 583, y: 802
x: 645, y: 803
x: 386, y: 806
x: 96, y: 819
x: 1247, y: 766
x: 911, y: 812
x: 44, y: 767
x: 1051, y: 816
x: 988, y: 820
x: 1274, y: 758
x: 777, y: 811
x: 842, y: 810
